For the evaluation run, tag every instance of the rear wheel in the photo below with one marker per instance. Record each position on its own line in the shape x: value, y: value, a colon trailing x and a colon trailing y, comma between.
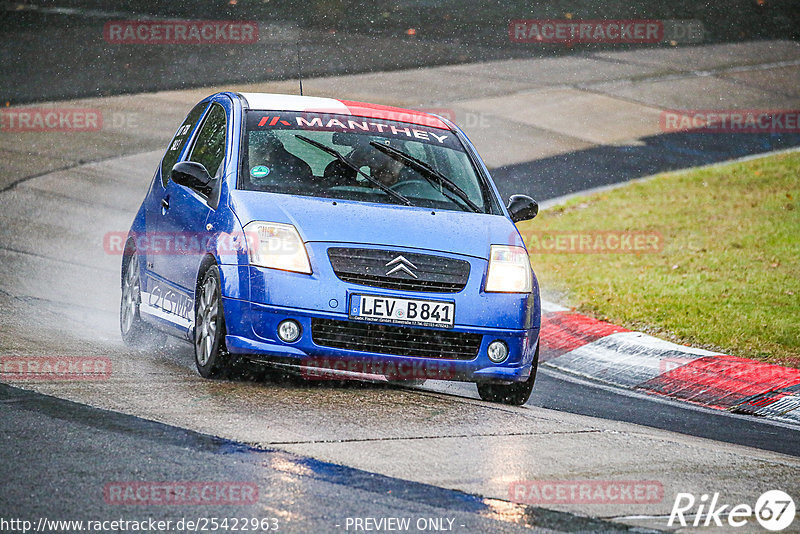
x: 135, y: 332
x: 210, y: 354
x: 515, y: 394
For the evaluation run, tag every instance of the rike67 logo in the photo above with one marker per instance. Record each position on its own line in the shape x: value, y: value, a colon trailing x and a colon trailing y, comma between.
x: 774, y: 510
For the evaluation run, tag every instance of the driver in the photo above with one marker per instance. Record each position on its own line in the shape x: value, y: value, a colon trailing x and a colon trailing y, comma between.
x: 382, y: 167
x: 267, y: 150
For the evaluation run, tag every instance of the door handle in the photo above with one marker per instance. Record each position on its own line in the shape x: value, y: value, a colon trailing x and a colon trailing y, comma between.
x: 165, y: 203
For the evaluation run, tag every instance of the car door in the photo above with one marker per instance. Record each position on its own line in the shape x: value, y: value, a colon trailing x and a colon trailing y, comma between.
x: 156, y: 292
x: 182, y: 224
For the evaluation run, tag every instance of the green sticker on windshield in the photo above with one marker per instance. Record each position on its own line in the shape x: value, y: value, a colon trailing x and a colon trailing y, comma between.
x: 259, y: 171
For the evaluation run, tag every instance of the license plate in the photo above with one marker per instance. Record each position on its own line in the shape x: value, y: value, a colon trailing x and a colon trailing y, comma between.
x: 402, y: 311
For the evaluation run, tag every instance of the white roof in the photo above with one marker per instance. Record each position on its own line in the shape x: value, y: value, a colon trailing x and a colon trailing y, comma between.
x: 269, y: 101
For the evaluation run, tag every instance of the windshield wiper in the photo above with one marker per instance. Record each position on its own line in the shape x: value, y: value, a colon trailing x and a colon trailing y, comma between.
x: 335, y: 153
x: 427, y: 172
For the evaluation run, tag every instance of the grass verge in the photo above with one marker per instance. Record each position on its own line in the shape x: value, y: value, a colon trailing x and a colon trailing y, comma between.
x: 718, y: 261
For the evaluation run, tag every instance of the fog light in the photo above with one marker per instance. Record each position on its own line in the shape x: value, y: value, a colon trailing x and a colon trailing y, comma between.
x: 288, y: 331
x: 497, y: 351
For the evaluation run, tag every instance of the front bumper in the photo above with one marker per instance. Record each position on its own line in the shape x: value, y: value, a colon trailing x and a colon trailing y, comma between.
x: 255, y: 336
x: 256, y: 300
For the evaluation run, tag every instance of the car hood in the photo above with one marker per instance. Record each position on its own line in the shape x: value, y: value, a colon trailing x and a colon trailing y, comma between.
x: 343, y: 221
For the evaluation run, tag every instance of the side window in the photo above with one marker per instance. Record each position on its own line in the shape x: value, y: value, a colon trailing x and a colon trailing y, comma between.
x: 177, y: 143
x: 209, y: 148
x: 455, y: 166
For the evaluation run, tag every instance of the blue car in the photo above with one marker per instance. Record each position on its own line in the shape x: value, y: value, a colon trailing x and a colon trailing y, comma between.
x: 340, y: 238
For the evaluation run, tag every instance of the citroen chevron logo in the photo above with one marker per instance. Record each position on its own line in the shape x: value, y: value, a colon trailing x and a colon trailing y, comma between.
x: 402, y: 264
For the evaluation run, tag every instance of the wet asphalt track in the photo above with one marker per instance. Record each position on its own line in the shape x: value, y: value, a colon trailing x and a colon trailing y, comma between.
x: 413, y: 442
x: 94, y: 448
x: 560, y: 391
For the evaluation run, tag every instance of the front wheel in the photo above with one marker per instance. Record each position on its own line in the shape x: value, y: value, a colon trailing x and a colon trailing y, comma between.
x: 515, y: 394
x: 210, y: 354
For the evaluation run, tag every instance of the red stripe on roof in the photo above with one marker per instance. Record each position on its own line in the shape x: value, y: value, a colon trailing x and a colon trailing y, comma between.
x: 389, y: 113
x: 562, y: 332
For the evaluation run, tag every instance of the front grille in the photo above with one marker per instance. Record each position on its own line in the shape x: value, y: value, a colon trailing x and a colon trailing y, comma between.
x: 369, y: 267
x: 396, y: 340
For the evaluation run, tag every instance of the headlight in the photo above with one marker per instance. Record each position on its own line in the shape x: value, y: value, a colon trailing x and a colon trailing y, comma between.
x: 509, y: 270
x: 277, y: 246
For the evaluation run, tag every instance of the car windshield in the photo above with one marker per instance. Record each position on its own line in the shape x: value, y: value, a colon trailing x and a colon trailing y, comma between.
x: 295, y: 153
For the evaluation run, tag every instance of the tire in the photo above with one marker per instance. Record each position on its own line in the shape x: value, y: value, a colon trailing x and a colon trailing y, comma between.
x: 135, y: 333
x: 210, y: 354
x: 515, y: 394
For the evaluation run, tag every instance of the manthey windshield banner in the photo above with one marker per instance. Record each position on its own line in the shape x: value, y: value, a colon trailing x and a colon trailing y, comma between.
x: 325, y: 122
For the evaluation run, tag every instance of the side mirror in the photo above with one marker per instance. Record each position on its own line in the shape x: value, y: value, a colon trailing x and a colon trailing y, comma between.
x: 192, y: 175
x: 522, y: 208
